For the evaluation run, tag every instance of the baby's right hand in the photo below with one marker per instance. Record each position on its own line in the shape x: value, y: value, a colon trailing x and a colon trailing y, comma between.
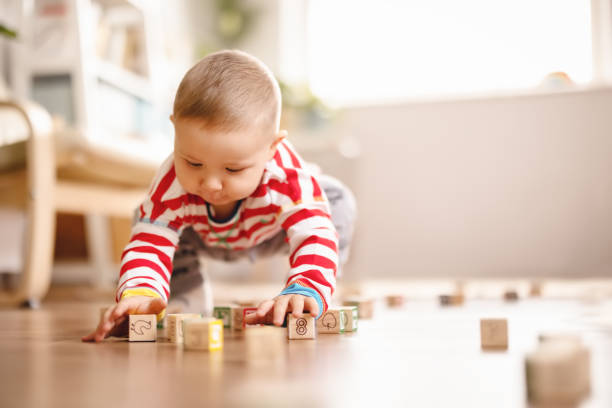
x: 111, y: 322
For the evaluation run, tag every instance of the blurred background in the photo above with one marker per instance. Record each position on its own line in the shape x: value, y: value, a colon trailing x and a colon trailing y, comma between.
x: 476, y: 135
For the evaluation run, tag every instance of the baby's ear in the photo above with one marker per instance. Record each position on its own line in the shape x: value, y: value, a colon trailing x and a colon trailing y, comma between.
x: 172, y: 118
x: 282, y: 134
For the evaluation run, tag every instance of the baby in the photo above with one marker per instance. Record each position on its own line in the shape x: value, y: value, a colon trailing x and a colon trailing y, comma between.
x: 233, y: 187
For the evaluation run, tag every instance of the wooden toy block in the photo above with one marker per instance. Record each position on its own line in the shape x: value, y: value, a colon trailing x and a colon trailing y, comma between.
x: 457, y: 299
x: 445, y: 300
x: 333, y: 321
x: 558, y: 374
x: 237, y: 316
x: 265, y: 342
x: 535, y: 290
x: 224, y: 313
x: 452, y: 300
x: 511, y: 296
x: 143, y: 327
x: 301, y: 327
x: 583, y: 357
x: 174, y: 326
x: 205, y: 333
x: 365, y: 307
x: 494, y: 334
x: 395, y: 300
x: 351, y: 317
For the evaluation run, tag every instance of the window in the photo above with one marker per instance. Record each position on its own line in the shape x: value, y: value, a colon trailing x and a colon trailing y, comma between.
x: 364, y: 51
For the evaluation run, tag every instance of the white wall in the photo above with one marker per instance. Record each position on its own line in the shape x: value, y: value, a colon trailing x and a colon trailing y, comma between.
x: 497, y: 187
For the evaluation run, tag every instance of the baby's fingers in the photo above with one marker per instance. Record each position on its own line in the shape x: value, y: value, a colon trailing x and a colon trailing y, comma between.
x: 280, y: 309
x: 312, y: 306
x: 264, y: 308
x: 154, y: 306
x: 259, y: 316
x: 297, y: 305
x: 89, y: 337
x: 100, y: 333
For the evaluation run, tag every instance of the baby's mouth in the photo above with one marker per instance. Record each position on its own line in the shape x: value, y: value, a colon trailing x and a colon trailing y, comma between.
x: 217, y: 199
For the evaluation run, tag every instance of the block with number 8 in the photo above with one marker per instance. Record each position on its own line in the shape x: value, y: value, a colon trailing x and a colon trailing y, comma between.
x: 301, y: 327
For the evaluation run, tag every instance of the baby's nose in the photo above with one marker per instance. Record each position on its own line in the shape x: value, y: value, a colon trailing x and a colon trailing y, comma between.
x: 211, y: 184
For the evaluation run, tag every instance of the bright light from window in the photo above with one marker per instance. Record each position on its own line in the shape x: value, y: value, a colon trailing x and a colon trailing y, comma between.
x: 364, y: 51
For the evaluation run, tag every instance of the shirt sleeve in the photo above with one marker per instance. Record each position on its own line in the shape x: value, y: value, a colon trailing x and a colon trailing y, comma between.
x: 146, y: 262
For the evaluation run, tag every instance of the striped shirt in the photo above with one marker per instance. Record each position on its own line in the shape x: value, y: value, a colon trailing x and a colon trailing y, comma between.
x: 288, y: 198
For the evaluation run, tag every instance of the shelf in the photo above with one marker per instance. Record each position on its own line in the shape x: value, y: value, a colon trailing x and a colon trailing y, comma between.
x: 115, y: 3
x: 124, y: 80
x: 53, y: 66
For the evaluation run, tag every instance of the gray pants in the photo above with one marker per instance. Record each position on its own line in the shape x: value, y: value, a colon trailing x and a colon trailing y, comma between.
x: 187, y: 272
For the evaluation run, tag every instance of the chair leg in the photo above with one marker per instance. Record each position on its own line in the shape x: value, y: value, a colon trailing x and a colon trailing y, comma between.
x: 40, y: 230
x: 36, y: 276
x: 39, y: 253
x: 100, y: 252
x: 30, y: 304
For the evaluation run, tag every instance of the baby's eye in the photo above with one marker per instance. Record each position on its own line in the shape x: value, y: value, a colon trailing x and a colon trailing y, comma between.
x: 192, y: 164
x: 233, y: 170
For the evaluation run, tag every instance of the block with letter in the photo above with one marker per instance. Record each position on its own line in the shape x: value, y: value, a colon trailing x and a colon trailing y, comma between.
x: 351, y: 317
x: 494, y: 334
x: 333, y: 321
x: 224, y: 312
x: 205, y: 333
x: 301, y: 327
x: 174, y: 326
x: 143, y: 327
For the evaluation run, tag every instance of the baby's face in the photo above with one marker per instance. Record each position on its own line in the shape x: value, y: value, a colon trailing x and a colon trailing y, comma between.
x: 220, y: 167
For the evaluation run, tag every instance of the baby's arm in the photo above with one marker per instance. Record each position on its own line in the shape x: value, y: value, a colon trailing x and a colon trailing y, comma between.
x: 313, y: 244
x: 313, y: 271
x: 144, y: 278
x: 143, y: 288
x: 146, y: 263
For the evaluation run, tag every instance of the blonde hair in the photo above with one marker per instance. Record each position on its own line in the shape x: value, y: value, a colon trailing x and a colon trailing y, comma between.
x: 229, y: 90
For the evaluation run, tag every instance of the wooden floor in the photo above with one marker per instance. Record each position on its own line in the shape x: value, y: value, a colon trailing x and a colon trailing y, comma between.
x: 420, y: 356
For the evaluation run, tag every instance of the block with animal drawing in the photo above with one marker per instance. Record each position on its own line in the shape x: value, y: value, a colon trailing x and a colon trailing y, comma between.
x: 143, y: 327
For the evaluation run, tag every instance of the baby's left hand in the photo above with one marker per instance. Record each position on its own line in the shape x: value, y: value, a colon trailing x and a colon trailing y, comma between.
x: 273, y: 311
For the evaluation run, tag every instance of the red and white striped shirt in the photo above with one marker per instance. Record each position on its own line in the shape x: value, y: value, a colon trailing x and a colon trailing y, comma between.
x: 288, y: 198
